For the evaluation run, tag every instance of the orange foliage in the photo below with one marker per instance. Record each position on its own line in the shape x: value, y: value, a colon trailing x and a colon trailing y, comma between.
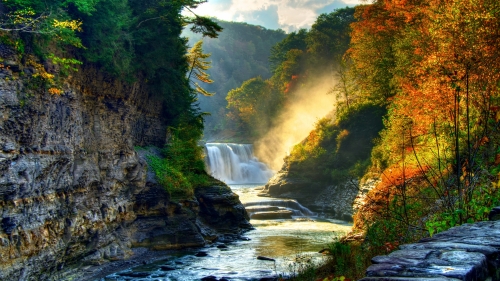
x: 432, y: 61
x: 378, y: 199
x: 290, y: 86
x: 55, y: 91
x: 395, y: 176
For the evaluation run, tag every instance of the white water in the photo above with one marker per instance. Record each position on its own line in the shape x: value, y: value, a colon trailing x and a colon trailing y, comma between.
x: 235, y: 164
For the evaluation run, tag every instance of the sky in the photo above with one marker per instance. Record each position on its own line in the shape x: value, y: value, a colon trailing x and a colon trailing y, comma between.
x: 289, y: 15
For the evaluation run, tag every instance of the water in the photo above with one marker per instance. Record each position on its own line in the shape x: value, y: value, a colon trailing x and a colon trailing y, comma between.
x: 288, y: 241
x: 235, y: 164
x: 284, y: 240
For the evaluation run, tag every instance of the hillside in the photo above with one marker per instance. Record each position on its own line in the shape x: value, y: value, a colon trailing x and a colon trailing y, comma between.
x: 241, y: 52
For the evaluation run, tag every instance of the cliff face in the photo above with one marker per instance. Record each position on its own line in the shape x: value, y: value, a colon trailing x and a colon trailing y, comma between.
x: 331, y: 200
x: 73, y: 190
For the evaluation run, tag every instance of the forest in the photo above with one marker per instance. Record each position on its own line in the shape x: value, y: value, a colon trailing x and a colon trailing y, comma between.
x: 428, y: 71
x: 432, y: 67
x: 416, y: 84
x: 239, y: 53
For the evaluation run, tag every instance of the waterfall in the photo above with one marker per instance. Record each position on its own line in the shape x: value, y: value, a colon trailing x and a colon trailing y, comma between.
x: 235, y: 164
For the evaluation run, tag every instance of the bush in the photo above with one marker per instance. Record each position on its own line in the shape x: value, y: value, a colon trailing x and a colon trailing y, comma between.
x: 181, y: 168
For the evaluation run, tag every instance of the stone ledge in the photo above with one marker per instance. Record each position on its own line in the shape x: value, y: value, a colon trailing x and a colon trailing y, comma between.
x: 467, y: 252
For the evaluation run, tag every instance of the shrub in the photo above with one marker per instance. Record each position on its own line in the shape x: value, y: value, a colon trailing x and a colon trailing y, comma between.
x: 180, y: 168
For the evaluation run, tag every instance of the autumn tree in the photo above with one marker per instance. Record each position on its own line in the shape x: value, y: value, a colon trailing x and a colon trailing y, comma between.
x: 435, y: 65
x: 198, y: 63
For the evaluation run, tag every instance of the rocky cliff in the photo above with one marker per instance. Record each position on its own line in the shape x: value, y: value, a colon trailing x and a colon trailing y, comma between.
x: 73, y: 190
x: 331, y: 200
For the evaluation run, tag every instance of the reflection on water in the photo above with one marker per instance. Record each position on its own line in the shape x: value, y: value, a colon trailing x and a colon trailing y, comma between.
x: 282, y: 240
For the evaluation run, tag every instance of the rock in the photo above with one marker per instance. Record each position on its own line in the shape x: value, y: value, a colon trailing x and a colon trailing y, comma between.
x: 334, y: 201
x: 271, y: 215
x: 253, y: 209
x: 263, y: 194
x: 12, y: 65
x: 324, y: 251
x: 262, y: 258
x: 494, y: 214
x: 220, y: 208
x: 80, y: 189
x: 268, y: 279
x: 209, y: 278
x: 134, y: 274
x: 467, y: 252
x: 222, y: 246
x: 9, y: 147
x: 167, y: 268
x: 29, y: 70
x: 9, y: 224
x: 201, y: 254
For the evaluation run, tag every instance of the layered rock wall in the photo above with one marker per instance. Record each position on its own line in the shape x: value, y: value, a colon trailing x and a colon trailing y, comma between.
x: 338, y: 201
x: 73, y: 190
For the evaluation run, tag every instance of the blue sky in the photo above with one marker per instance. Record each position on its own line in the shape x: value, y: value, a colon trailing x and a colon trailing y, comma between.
x: 288, y: 15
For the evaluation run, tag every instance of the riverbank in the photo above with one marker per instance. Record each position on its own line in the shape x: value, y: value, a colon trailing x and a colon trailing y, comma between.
x: 96, y: 272
x: 283, y: 240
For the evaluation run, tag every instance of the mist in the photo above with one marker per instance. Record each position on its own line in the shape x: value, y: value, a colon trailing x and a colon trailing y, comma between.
x: 306, y: 107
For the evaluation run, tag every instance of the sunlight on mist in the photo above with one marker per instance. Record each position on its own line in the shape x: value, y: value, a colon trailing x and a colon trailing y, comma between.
x: 306, y: 107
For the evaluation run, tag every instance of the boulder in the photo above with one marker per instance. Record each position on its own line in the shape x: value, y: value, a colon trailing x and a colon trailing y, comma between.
x: 467, y: 252
x: 201, y: 254
x: 494, y: 214
x: 262, y: 258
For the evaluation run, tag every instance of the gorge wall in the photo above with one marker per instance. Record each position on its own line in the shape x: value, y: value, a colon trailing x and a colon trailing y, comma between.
x: 73, y: 191
x: 338, y: 200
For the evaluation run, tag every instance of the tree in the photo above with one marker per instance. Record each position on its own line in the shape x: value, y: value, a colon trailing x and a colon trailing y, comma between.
x: 108, y: 37
x: 329, y: 36
x: 346, y: 87
x: 198, y: 63
x: 45, y: 18
x: 255, y: 104
x: 295, y: 40
x: 435, y: 64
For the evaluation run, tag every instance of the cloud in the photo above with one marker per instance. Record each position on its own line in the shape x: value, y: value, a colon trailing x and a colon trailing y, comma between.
x: 289, y: 15
x: 331, y: 7
x: 266, y: 16
x: 221, y: 5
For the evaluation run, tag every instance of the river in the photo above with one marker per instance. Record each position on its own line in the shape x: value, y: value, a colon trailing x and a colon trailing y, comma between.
x: 291, y: 242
